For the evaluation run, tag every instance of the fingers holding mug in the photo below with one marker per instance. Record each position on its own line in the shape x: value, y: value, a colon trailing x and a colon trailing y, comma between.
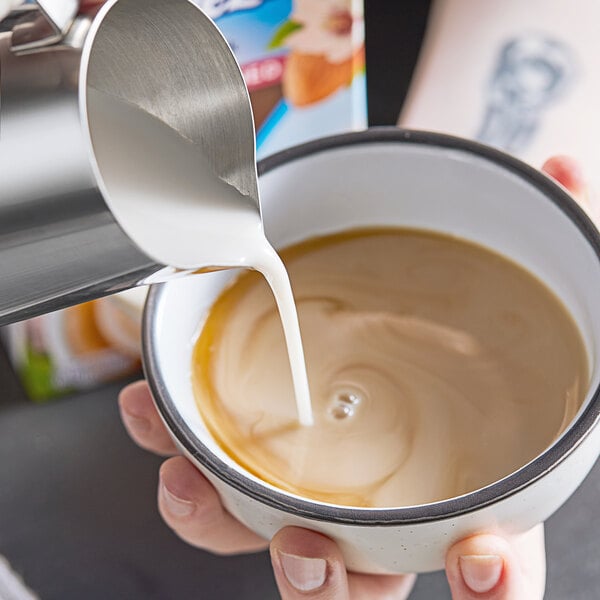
x: 142, y: 421
x: 490, y: 567
x: 310, y: 565
x: 191, y: 507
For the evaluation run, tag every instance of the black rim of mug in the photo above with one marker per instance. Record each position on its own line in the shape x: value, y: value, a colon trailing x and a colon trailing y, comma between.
x: 445, y: 509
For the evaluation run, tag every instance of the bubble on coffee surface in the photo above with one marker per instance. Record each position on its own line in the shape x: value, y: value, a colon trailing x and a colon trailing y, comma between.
x: 344, y: 404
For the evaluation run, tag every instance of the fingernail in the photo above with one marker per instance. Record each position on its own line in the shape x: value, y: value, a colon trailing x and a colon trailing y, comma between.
x: 176, y: 506
x: 304, y: 574
x: 481, y: 573
x: 137, y: 424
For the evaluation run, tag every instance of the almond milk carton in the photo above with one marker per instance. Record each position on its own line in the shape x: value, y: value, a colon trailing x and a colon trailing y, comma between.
x: 303, y: 62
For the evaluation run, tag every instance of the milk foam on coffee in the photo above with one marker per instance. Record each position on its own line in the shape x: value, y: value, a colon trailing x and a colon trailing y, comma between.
x: 436, y: 367
x: 171, y: 203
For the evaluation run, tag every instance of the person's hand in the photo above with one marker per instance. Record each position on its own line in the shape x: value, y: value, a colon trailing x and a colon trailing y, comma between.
x: 568, y: 173
x: 308, y: 565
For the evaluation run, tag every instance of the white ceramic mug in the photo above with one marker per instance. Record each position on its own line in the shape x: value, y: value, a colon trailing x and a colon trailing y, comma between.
x: 409, y: 179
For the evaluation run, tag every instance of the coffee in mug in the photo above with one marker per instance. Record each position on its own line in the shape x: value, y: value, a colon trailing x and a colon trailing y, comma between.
x: 436, y: 367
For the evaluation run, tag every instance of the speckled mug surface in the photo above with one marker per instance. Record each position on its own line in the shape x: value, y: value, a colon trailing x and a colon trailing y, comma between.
x: 421, y: 180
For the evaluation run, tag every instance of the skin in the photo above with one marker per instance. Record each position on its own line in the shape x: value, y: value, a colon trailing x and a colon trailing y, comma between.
x: 191, y: 507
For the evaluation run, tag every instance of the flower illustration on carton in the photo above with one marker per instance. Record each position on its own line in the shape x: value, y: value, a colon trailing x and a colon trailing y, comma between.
x: 326, y: 43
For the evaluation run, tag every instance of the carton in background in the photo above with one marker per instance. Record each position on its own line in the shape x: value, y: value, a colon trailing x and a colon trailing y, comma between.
x: 303, y: 62
x: 79, y: 347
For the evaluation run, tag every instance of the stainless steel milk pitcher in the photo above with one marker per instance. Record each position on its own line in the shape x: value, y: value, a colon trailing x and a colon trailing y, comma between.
x: 59, y: 242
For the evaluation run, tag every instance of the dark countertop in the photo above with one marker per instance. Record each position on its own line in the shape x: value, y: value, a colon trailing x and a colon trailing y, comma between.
x: 78, y: 516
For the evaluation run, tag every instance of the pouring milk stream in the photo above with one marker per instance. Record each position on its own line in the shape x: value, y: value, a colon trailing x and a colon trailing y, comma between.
x: 157, y: 173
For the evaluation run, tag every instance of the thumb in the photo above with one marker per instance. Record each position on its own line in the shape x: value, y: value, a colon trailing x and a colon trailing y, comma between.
x: 489, y: 567
x: 568, y: 173
x: 308, y: 565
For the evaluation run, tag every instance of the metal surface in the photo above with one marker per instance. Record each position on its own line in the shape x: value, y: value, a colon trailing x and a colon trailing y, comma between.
x: 181, y: 70
x: 59, y: 243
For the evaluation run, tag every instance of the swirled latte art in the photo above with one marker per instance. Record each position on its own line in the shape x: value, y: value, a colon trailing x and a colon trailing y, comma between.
x: 435, y: 366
